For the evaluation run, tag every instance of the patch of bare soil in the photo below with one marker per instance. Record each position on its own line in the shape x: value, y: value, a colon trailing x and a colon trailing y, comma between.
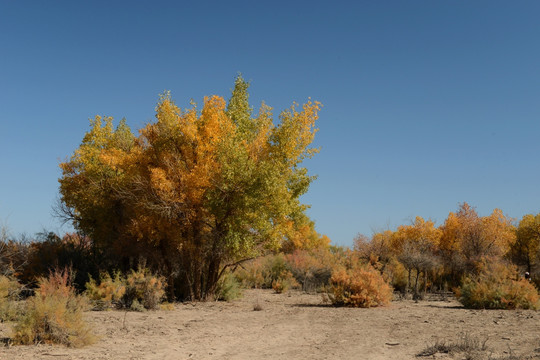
x: 295, y: 326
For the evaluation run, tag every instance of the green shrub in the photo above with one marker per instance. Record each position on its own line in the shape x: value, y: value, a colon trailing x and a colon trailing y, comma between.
x: 361, y: 286
x: 495, y: 287
x: 54, y: 315
x: 228, y: 288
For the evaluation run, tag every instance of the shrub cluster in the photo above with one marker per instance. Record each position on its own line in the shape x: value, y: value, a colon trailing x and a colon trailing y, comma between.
x: 138, y: 290
x: 108, y: 292
x: 54, y: 315
x: 360, y: 286
x: 284, y: 282
x: 309, y: 270
x: 312, y: 269
x: 262, y: 272
x: 497, y: 286
x: 228, y: 288
x: 9, y: 294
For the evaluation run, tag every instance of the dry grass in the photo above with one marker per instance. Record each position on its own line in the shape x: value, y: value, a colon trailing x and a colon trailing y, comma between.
x: 470, y: 347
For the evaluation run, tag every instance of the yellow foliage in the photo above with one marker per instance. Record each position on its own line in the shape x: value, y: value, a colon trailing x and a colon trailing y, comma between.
x: 212, y: 178
x: 496, y: 287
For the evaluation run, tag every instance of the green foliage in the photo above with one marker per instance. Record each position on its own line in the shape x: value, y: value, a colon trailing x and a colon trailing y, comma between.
x: 361, y: 286
x: 54, y: 315
x: 496, y: 287
x: 228, y: 288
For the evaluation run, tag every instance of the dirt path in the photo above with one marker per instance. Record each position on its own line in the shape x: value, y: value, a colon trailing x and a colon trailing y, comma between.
x: 293, y: 326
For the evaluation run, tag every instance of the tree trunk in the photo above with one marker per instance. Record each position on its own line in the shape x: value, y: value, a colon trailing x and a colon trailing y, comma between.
x: 416, y: 295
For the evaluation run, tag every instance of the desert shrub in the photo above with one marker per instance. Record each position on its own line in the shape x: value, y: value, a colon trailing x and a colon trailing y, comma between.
x: 495, y: 287
x: 139, y: 290
x: 109, y: 292
x: 273, y: 269
x: 262, y: 272
x: 143, y: 290
x: 54, y: 315
x: 228, y: 288
x: 472, y: 347
x: 284, y: 282
x: 9, y: 294
x: 312, y: 269
x: 360, y: 286
x: 250, y: 274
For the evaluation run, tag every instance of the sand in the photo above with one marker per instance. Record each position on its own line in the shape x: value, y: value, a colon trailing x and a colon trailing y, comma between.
x: 294, y: 326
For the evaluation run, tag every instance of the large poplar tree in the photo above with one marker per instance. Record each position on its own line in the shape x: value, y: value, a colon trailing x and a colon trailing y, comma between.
x: 197, y: 191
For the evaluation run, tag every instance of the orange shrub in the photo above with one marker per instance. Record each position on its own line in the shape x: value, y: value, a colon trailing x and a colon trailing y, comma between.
x: 284, y: 282
x: 361, y: 286
x: 54, y: 315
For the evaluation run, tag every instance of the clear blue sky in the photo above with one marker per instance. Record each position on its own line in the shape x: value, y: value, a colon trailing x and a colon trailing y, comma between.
x: 426, y: 103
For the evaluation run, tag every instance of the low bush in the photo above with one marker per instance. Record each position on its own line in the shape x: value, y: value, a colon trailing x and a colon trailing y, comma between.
x: 284, y: 282
x: 250, y: 274
x: 9, y: 296
x: 228, y: 288
x: 262, y: 272
x: 143, y: 289
x: 312, y: 269
x: 54, y: 315
x: 495, y: 287
x: 108, y: 293
x: 360, y: 286
x: 139, y: 290
x: 472, y: 347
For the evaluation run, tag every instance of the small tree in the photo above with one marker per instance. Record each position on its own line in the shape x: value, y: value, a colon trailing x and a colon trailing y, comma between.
x: 526, y: 250
x: 418, y: 256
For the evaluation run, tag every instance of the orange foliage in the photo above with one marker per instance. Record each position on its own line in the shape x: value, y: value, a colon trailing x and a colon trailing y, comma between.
x: 359, y: 287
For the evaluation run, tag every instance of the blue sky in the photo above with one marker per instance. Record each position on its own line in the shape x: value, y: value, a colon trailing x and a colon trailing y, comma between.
x: 427, y: 104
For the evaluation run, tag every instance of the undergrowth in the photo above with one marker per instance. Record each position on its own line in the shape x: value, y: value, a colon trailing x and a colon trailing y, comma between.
x: 54, y: 315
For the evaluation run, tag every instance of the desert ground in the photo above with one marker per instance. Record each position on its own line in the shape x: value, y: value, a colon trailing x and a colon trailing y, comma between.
x: 296, y: 325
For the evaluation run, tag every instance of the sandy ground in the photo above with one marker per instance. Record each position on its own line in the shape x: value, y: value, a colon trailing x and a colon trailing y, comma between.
x: 293, y: 326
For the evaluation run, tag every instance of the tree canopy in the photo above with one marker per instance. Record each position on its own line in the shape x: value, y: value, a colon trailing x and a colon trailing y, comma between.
x: 196, y: 191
